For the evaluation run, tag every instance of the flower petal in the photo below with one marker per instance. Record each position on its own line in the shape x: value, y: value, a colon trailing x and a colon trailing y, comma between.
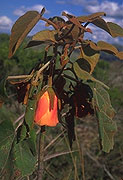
x: 43, y: 115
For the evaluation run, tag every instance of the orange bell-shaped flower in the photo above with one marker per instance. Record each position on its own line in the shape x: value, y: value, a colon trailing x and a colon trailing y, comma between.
x: 44, y: 115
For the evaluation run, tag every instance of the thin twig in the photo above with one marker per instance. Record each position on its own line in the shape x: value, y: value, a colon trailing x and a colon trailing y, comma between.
x: 30, y: 75
x: 81, y: 156
x: 55, y: 139
x: 51, y: 174
x: 40, y: 70
x: 18, y: 119
x: 40, y: 155
x: 58, y: 154
x: 49, y: 22
x: 19, y: 77
x: 100, y: 165
x: 73, y: 159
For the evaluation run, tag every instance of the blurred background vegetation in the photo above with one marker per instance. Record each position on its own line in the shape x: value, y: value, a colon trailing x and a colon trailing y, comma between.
x: 94, y: 164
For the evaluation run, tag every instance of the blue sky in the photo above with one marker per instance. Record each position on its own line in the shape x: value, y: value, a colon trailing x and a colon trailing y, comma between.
x: 10, y: 10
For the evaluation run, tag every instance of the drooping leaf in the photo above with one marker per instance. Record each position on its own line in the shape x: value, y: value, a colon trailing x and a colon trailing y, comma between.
x: 58, y: 21
x: 22, y: 89
x: 6, y: 140
x: 90, y: 17
x: 84, y: 75
x: 109, y: 48
x: 33, y: 43
x: 103, y: 46
x: 74, y: 20
x: 120, y: 55
x: 45, y: 36
x: 70, y: 127
x: 81, y: 100
x: 32, y: 141
x: 105, y: 114
x: 21, y: 133
x: 24, y: 159
x: 9, y: 171
x: 113, y: 29
x: 83, y: 63
x: 30, y: 111
x: 90, y: 55
x: 106, y: 47
x: 21, y: 28
x: 6, y: 132
x: 34, y: 95
x: 64, y: 57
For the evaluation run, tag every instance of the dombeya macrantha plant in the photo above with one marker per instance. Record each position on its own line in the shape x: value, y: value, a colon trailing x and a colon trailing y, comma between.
x: 58, y: 81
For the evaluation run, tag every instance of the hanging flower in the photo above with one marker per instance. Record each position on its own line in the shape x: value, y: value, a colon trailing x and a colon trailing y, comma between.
x: 45, y: 114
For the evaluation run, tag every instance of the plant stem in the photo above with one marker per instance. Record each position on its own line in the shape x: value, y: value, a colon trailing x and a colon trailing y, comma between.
x: 40, y: 155
x: 19, y: 77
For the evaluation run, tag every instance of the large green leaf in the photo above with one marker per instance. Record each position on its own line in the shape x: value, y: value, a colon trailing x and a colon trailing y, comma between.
x: 74, y: 20
x: 106, y: 47
x: 34, y: 94
x: 45, y: 36
x: 120, y: 55
x: 30, y: 112
x: 33, y: 43
x: 113, y: 29
x: 84, y: 75
x: 21, y: 28
x: 6, y: 140
x: 24, y: 159
x: 105, y: 114
x: 90, y: 55
x: 83, y: 63
x: 90, y: 17
x: 32, y: 141
x: 21, y: 132
x: 9, y: 171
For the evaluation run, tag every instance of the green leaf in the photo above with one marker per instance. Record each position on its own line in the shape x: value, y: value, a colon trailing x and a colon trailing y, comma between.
x: 113, y: 29
x: 120, y: 55
x: 30, y: 112
x: 73, y: 19
x: 47, y: 36
x: 32, y: 141
x: 21, y: 132
x: 83, y: 63
x: 104, y: 46
x: 24, y: 159
x: 33, y: 43
x: 6, y: 140
x: 105, y: 114
x: 21, y: 28
x: 90, y: 55
x: 90, y: 17
x: 84, y: 75
x: 8, y: 172
x: 34, y: 95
